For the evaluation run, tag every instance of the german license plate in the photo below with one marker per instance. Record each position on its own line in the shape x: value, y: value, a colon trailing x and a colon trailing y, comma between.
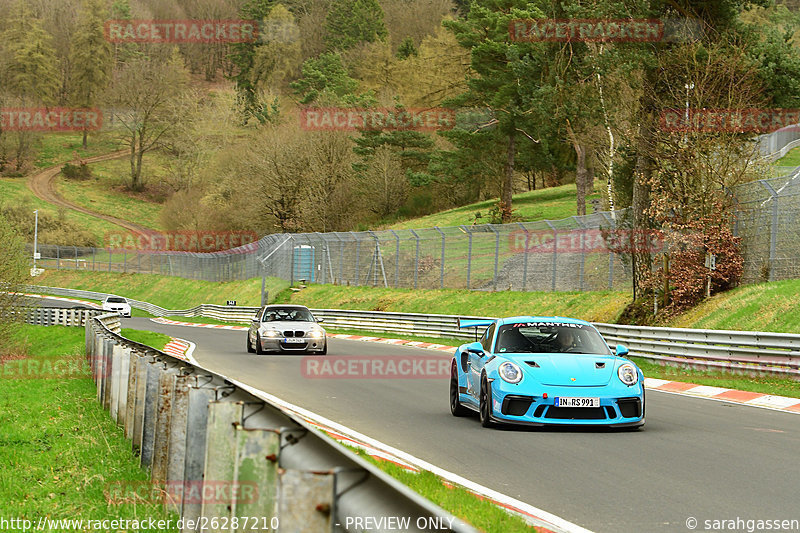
x: 294, y: 340
x: 577, y: 402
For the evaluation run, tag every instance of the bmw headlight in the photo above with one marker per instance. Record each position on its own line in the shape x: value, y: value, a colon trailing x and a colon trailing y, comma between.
x: 627, y: 374
x: 271, y: 333
x: 316, y: 333
x: 510, y: 372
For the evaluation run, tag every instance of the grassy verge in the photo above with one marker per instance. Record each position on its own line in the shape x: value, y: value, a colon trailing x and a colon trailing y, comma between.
x: 600, y: 306
x: 545, y: 204
x: 13, y: 191
x: 165, y: 291
x: 57, y: 148
x: 791, y: 159
x: 773, y: 306
x: 763, y: 384
x: 106, y: 192
x: 482, y: 514
x: 59, y: 450
x: 150, y: 338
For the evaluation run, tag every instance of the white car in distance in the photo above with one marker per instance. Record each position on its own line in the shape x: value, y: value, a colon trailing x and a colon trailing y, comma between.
x: 117, y: 304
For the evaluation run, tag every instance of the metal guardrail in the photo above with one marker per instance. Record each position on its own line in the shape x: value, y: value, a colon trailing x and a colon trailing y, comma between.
x: 744, y: 351
x: 193, y: 427
x: 56, y: 316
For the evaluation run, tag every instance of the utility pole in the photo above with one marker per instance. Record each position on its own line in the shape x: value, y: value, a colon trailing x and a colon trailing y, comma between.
x: 35, y: 239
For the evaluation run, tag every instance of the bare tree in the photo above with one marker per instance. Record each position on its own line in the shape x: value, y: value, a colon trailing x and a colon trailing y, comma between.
x: 13, y: 266
x: 149, y: 96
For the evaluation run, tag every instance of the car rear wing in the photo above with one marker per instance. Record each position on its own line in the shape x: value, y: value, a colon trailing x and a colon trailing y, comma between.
x: 475, y: 323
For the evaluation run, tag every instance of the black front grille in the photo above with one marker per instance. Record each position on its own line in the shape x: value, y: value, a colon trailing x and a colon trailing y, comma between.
x: 630, y: 407
x: 576, y: 413
x: 516, y: 405
x: 294, y: 333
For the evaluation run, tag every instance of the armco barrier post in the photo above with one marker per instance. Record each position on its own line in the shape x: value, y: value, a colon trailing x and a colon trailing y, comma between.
x: 104, y: 373
x: 124, y: 380
x: 200, y: 395
x: 142, y: 364
x: 166, y: 388
x: 306, y: 501
x: 257, y: 455
x: 154, y: 369
x: 130, y: 404
x: 116, y: 363
x: 176, y: 448
x: 220, y: 460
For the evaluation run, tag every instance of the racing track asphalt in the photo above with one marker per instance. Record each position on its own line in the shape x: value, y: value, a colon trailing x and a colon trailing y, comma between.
x: 694, y: 457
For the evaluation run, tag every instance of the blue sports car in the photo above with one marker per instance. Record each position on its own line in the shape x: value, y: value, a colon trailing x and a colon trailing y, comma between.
x: 545, y: 371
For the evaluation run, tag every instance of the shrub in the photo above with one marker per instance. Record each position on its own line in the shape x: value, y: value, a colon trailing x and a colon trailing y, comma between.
x: 81, y: 171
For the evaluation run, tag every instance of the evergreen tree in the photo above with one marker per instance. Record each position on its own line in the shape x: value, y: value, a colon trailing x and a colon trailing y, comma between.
x: 32, y: 68
x: 407, y: 49
x: 504, y: 72
x: 90, y: 58
x: 350, y: 22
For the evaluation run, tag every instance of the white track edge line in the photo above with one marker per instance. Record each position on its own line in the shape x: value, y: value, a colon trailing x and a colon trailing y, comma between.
x: 424, y: 465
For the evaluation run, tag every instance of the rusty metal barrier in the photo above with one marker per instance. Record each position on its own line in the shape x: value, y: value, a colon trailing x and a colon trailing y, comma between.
x: 193, y: 428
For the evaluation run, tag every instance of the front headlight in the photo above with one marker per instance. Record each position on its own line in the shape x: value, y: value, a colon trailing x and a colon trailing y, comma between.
x: 271, y: 333
x: 510, y: 372
x: 627, y: 374
x: 316, y: 334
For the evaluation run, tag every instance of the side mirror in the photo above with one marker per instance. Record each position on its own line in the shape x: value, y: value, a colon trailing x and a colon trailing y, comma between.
x: 320, y: 320
x: 621, y: 350
x: 476, y: 348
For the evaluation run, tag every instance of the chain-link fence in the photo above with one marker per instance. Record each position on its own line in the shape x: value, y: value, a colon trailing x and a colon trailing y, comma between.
x: 767, y: 221
x: 773, y: 146
x: 571, y: 254
x: 559, y: 255
x: 237, y: 263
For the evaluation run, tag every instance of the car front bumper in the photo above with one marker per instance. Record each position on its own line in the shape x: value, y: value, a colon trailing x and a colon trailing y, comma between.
x: 277, y: 344
x: 620, y: 405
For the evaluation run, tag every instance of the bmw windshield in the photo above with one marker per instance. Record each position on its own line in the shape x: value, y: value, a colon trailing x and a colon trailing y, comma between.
x: 550, y: 337
x: 290, y: 314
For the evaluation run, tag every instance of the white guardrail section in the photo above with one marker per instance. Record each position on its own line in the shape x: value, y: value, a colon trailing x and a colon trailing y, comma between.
x: 197, y: 432
x: 745, y: 351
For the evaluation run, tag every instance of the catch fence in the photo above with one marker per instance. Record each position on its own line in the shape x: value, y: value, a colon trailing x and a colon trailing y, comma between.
x: 551, y: 255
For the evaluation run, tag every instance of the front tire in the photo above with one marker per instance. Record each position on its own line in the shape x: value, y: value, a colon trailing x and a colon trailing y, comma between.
x: 485, y: 411
x: 250, y: 348
x: 456, y: 409
x: 259, y: 350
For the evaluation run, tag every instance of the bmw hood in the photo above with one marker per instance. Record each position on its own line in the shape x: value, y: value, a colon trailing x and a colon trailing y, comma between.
x: 567, y: 369
x: 282, y: 325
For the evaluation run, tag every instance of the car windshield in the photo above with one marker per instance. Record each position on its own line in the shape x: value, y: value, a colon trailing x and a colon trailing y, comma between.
x: 550, y: 337
x: 117, y: 300
x: 291, y: 314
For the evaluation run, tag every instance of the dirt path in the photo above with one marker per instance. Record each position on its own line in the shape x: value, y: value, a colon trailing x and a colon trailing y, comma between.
x: 42, y: 184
